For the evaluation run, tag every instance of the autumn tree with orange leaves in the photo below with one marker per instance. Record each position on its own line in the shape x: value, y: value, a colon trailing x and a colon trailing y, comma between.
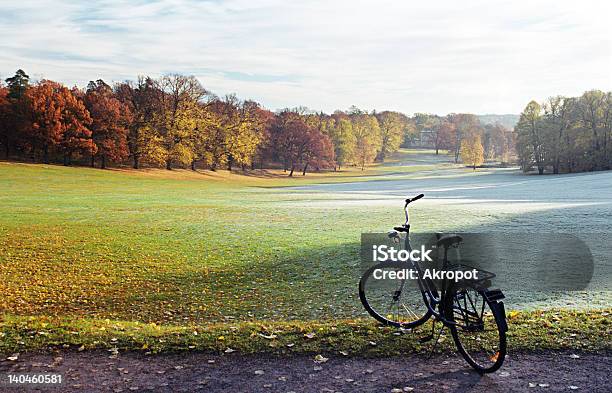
x: 110, y: 120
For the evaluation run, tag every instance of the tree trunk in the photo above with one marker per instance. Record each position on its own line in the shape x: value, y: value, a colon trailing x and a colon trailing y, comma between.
x: 193, y: 165
x: 93, y: 161
x: 292, y: 168
x: 169, y: 165
x: 46, y: 154
x: 229, y: 165
x: 136, y: 166
x: 436, y: 150
x: 540, y: 170
x: 304, y: 171
x: 103, y: 166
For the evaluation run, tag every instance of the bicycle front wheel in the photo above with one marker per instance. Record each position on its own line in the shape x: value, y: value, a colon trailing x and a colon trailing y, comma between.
x: 393, y: 302
x: 479, y: 332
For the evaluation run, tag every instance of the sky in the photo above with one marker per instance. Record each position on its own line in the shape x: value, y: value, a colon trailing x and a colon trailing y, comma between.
x: 410, y: 56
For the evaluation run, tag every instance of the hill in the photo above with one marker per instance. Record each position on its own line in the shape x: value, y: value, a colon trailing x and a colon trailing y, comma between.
x: 507, y: 120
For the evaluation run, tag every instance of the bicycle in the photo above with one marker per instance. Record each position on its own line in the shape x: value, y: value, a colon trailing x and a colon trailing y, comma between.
x: 474, y: 314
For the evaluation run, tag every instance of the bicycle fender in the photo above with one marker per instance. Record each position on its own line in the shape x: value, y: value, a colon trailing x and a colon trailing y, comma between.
x: 494, y: 294
x: 499, y: 311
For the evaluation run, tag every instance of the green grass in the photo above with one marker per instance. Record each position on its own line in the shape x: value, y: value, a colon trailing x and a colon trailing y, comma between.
x: 174, y: 248
x: 161, y: 253
x: 83, y: 242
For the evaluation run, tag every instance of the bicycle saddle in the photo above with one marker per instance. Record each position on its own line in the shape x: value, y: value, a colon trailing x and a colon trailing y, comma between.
x: 449, y: 240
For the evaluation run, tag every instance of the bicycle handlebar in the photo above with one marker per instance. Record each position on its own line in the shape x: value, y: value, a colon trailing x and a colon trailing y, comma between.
x: 409, y: 200
x: 416, y: 198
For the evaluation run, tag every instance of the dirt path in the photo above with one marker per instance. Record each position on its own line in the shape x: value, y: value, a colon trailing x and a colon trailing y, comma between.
x: 96, y: 371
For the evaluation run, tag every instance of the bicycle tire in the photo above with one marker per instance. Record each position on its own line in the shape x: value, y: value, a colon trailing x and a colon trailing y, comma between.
x: 469, y: 354
x: 420, y: 317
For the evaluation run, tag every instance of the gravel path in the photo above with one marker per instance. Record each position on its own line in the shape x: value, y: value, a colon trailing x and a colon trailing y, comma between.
x: 97, y: 371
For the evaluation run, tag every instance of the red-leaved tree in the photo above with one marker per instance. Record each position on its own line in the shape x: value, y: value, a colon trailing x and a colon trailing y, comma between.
x: 298, y: 144
x: 110, y: 120
x: 59, y: 121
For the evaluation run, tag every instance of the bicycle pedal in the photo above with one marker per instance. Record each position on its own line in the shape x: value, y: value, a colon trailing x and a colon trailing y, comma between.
x: 427, y: 338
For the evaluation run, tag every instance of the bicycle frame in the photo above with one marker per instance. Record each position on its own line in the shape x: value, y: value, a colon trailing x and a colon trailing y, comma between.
x: 430, y: 295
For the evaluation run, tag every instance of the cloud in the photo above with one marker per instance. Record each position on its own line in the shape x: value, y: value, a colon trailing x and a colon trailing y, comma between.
x: 442, y: 56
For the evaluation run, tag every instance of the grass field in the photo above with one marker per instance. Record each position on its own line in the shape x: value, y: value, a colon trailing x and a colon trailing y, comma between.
x: 84, y: 247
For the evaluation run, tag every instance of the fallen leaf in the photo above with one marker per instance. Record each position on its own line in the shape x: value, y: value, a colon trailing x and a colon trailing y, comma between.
x: 320, y: 359
x: 13, y: 357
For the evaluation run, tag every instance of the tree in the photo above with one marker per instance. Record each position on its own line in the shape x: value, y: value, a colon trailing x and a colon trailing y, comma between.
x: 530, y: 137
x: 296, y: 143
x: 76, y: 137
x: 110, y: 120
x: 6, y: 131
x: 592, y: 107
x: 367, y: 139
x: 175, y: 121
x: 13, y: 117
x: 58, y: 121
x: 143, y: 100
x: 18, y: 84
x: 392, y: 125
x: 340, y: 131
x: 444, y: 135
x: 559, y: 114
x: 242, y: 129
x: 465, y: 124
x: 472, y: 152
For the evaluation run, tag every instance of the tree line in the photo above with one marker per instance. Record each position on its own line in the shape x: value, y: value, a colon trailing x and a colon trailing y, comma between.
x: 457, y: 131
x: 173, y: 121
x: 566, y: 134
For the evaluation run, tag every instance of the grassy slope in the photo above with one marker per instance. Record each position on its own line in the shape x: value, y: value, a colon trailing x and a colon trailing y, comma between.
x: 82, y: 246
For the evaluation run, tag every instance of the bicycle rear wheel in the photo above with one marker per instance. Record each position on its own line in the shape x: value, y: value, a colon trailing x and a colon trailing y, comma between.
x: 479, y: 331
x: 393, y: 302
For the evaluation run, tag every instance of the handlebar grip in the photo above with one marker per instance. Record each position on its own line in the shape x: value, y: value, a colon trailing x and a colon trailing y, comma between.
x: 409, y: 200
